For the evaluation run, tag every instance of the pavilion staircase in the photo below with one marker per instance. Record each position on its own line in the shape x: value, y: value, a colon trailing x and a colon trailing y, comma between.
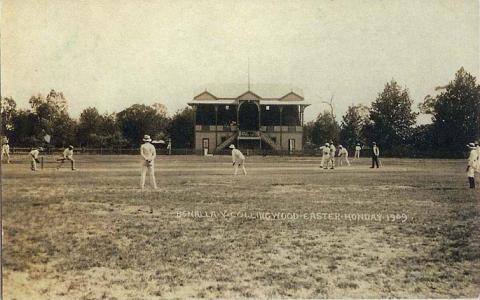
x: 226, y: 142
x: 269, y: 141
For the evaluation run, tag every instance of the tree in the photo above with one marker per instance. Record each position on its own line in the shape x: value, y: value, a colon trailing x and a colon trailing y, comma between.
x: 392, y: 118
x: 52, y: 118
x: 181, y: 127
x: 140, y: 119
x: 89, y: 131
x: 352, y: 125
x: 8, y: 110
x: 456, y: 115
x: 324, y: 129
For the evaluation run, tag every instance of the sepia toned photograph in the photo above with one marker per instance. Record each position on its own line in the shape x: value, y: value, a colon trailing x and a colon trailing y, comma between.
x: 240, y: 149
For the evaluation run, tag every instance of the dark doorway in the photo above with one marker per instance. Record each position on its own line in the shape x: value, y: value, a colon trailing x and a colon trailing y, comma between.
x: 248, y: 116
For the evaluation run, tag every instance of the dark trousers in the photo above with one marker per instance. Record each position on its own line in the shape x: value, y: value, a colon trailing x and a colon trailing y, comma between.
x: 374, y: 160
x: 471, y: 180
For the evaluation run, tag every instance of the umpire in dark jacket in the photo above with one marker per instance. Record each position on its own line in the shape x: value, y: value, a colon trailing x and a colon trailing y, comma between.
x: 375, y: 155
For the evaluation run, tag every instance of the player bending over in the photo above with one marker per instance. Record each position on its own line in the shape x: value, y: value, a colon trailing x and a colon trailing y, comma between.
x: 34, y: 152
x: 343, y: 155
x: 148, y: 153
x: 67, y: 155
x: 238, y: 159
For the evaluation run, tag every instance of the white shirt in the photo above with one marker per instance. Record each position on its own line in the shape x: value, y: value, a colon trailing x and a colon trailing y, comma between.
x: 34, y: 153
x: 358, y: 148
x: 325, y: 150
x: 376, y: 150
x: 343, y: 152
x: 6, y: 148
x: 237, y: 155
x: 472, y: 158
x: 68, y: 153
x: 148, y: 151
x: 332, y: 150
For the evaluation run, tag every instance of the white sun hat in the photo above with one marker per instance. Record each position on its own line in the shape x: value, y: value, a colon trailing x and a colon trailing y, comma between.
x: 146, y: 138
x: 232, y: 146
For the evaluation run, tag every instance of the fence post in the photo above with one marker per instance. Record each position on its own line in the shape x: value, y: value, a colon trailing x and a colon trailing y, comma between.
x: 41, y: 162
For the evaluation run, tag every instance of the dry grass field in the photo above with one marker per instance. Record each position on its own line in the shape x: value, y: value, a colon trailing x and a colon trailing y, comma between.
x: 287, y: 230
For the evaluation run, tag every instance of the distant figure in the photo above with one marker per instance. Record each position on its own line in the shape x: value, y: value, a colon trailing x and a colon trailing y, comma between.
x: 67, y: 155
x: 148, y: 152
x: 333, y: 149
x: 238, y: 159
x: 375, y: 155
x: 472, y: 164
x: 34, y: 152
x: 478, y: 156
x: 325, y: 156
x: 343, y: 155
x: 358, y: 148
x: 6, y: 151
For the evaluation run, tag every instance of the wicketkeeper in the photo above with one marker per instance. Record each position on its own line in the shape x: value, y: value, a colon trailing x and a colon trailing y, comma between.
x: 67, y: 155
x: 148, y: 153
x: 238, y: 159
x: 34, y: 153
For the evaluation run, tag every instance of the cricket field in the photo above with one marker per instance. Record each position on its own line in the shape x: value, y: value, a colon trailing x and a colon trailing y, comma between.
x: 286, y: 230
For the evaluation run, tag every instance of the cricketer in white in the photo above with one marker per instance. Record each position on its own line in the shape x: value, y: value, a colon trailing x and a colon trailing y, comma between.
x: 238, y: 159
x: 148, y: 152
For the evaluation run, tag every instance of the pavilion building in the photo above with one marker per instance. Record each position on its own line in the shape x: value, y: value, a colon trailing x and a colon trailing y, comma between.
x: 266, y: 117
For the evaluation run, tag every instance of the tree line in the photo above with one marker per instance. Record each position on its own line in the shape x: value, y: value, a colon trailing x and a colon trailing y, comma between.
x: 390, y: 121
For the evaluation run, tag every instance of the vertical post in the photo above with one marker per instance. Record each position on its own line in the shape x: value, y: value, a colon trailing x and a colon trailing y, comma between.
x: 194, y: 107
x: 216, y: 128
x: 281, y: 129
x: 260, y: 123
x: 41, y: 162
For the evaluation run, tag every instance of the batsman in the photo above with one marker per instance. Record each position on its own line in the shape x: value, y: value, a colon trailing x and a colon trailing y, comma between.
x: 238, y: 159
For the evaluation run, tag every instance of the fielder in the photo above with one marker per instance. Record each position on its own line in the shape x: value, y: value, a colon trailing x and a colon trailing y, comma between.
x: 343, y: 155
x: 148, y: 153
x: 325, y: 156
x: 333, y: 149
x: 6, y: 151
x: 478, y: 156
x: 358, y: 148
x: 34, y: 152
x: 67, y: 155
x: 472, y: 164
x: 375, y: 155
x: 238, y: 159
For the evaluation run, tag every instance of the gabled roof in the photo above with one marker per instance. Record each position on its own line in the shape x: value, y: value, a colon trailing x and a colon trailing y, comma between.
x: 292, y: 96
x: 233, y: 91
x: 205, y: 96
x: 252, y: 95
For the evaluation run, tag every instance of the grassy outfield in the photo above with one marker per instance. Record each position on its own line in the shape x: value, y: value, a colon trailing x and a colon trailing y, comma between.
x: 287, y: 230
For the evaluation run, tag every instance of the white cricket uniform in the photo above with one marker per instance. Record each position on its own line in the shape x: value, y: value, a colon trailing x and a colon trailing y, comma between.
x: 67, y: 155
x: 6, y: 152
x: 472, y: 163
x: 478, y: 159
x: 343, y: 155
x: 325, y: 156
x: 357, y: 151
x: 148, y: 153
x: 34, y: 157
x: 238, y: 159
x: 333, y: 149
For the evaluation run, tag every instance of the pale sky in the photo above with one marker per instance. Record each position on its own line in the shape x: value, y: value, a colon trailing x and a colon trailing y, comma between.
x: 113, y: 53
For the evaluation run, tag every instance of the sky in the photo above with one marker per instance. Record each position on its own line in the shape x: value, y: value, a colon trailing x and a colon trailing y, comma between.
x: 111, y: 54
